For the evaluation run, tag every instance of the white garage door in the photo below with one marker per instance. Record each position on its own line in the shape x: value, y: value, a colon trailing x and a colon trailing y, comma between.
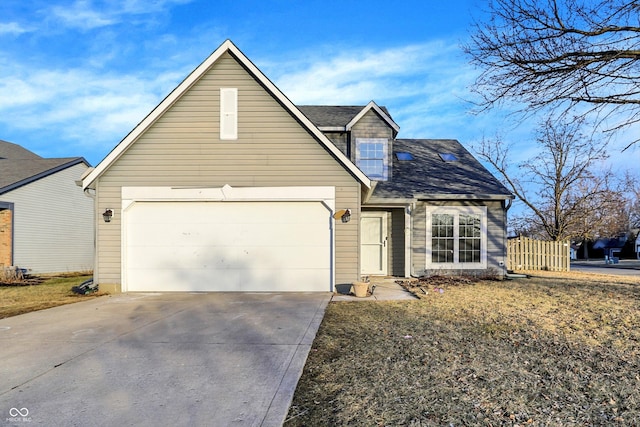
x: 227, y: 246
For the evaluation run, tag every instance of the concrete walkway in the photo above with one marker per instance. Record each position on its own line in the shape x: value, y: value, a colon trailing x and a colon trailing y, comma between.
x: 385, y: 289
x: 217, y: 359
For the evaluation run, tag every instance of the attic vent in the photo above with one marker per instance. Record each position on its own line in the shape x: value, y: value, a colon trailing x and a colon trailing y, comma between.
x: 448, y: 157
x: 404, y: 156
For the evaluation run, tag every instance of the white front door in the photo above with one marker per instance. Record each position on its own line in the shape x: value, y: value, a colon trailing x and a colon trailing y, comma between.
x: 373, y: 243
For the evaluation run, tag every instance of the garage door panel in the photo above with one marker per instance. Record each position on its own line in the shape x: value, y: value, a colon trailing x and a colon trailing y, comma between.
x: 228, y: 246
x: 200, y: 280
x: 304, y: 280
x: 303, y: 257
x: 208, y: 235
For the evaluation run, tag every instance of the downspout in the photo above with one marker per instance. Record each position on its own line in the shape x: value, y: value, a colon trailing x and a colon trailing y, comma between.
x: 87, y: 192
x: 507, y: 206
x: 411, y: 209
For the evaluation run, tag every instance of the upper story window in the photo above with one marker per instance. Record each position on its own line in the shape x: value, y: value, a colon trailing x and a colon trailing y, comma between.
x: 372, y: 157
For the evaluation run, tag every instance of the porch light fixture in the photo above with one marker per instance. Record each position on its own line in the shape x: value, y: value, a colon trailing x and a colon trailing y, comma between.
x: 107, y: 215
x: 346, y: 216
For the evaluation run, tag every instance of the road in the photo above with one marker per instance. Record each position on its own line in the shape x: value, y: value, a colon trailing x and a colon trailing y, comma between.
x: 624, y: 268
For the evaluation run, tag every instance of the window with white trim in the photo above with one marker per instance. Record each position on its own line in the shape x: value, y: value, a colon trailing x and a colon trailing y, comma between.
x: 456, y: 237
x: 228, y: 113
x: 372, y: 157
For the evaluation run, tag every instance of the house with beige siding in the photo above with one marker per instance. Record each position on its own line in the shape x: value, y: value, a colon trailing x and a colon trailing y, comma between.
x: 46, y: 221
x: 228, y: 186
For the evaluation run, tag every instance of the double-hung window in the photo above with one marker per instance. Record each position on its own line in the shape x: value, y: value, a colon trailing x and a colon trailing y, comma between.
x: 456, y: 237
x: 372, y: 157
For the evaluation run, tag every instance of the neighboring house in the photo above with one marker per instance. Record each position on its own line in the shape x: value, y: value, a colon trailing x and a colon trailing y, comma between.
x: 46, y: 221
x: 611, y: 247
x: 228, y: 186
x: 573, y: 251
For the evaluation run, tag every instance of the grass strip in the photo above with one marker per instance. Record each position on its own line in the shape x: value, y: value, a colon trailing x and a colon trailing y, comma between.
x: 53, y: 291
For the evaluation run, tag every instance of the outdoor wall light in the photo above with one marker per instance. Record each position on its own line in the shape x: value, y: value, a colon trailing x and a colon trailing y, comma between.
x: 108, y: 213
x: 343, y: 214
x: 346, y: 216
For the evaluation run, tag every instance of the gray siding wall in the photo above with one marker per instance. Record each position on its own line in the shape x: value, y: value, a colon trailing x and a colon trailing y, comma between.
x: 340, y: 140
x: 397, y: 242
x: 496, y: 237
x: 183, y: 148
x: 371, y: 125
x: 53, y: 224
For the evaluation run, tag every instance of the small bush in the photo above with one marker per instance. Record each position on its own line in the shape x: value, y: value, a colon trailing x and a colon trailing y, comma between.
x: 11, y: 275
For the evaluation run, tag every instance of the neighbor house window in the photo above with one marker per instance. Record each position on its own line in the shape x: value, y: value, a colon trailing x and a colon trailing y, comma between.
x: 372, y: 157
x: 457, y: 237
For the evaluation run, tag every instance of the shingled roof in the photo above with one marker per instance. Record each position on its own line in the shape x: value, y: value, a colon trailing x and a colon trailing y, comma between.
x: 19, y: 166
x: 428, y: 176
x: 337, y: 116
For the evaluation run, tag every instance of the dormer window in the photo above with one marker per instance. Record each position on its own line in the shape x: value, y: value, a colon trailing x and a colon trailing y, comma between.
x: 372, y: 157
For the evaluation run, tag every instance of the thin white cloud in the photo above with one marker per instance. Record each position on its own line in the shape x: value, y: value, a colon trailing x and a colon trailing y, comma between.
x: 357, y: 76
x: 82, y: 15
x: 12, y: 28
x: 88, y: 15
x: 81, y: 105
x: 423, y: 85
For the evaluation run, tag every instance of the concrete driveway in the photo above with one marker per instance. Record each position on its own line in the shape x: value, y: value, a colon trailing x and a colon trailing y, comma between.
x: 158, y: 359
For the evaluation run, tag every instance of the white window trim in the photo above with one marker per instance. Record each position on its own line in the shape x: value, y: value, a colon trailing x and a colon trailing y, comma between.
x: 385, y: 160
x: 228, y: 113
x: 457, y: 211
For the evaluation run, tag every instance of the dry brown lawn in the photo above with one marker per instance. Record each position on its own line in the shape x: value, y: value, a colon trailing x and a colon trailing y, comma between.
x: 50, y: 292
x: 551, y: 350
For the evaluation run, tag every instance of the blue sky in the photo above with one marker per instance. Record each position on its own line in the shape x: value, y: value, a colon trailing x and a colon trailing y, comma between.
x: 76, y: 76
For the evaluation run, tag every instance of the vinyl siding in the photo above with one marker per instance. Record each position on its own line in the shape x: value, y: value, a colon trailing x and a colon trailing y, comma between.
x: 496, y: 236
x: 183, y: 148
x: 397, y: 242
x: 340, y: 140
x: 53, y: 224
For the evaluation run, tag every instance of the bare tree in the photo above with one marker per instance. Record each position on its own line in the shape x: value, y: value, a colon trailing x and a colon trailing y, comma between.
x: 559, y: 185
x: 561, y: 54
x: 605, y: 214
x: 632, y: 189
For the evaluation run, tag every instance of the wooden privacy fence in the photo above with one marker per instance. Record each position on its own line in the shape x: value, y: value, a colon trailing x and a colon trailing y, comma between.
x: 524, y: 253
